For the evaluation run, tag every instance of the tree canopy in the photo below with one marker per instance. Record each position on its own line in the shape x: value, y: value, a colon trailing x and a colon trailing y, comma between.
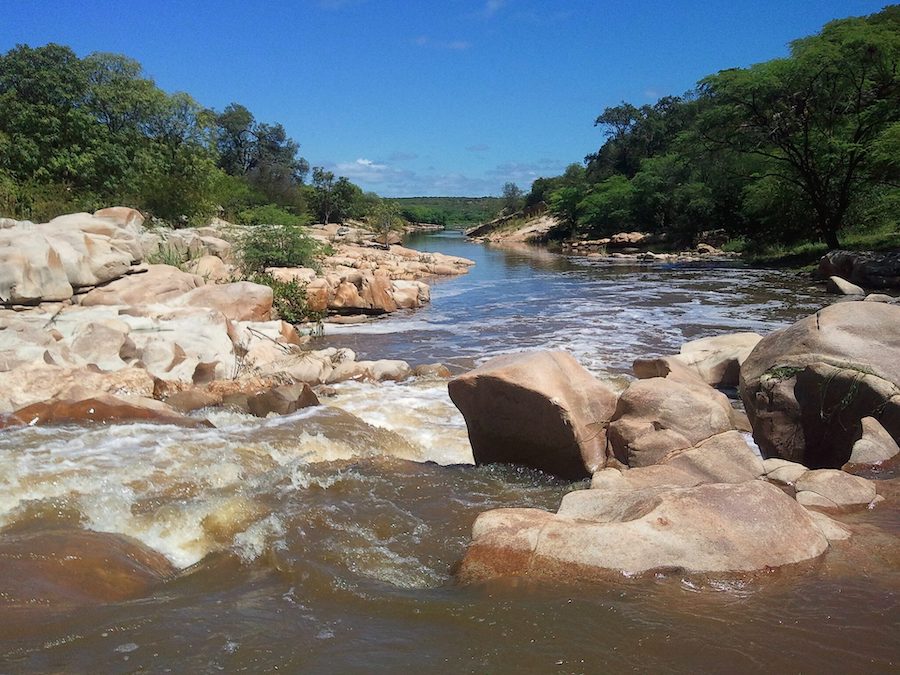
x: 792, y: 149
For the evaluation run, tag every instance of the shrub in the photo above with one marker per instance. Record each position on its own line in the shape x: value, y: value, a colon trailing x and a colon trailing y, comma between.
x: 289, y: 299
x: 278, y: 246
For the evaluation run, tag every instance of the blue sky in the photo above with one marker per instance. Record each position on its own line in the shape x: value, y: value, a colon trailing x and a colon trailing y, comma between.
x: 409, y: 97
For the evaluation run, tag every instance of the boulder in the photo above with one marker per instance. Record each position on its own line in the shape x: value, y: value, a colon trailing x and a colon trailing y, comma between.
x: 100, y: 409
x: 839, y: 487
x: 665, y: 366
x: 436, y: 371
x: 840, y: 286
x: 807, y: 387
x: 723, y: 458
x: 783, y: 471
x: 717, y: 360
x: 874, y: 447
x: 152, y: 285
x: 212, y: 269
x: 658, y: 416
x: 238, y: 301
x: 537, y: 409
x: 76, y: 567
x: 880, y: 297
x: 719, y: 528
x: 282, y: 400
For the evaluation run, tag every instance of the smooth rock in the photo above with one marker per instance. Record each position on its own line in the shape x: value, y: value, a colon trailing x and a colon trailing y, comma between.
x: 839, y: 487
x: 657, y: 416
x: 720, y: 528
x: 238, y: 301
x: 717, y: 360
x: 841, y: 286
x: 874, y: 446
x: 537, y: 409
x: 282, y: 400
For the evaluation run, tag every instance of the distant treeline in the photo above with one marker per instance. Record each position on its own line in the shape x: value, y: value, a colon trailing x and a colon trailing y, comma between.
x: 789, y: 150
x: 459, y: 212
x: 82, y: 133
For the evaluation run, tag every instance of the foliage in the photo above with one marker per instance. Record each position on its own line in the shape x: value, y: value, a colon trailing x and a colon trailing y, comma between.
x: 288, y: 298
x: 449, y: 211
x: 512, y: 197
x: 82, y: 133
x: 270, y: 214
x: 792, y: 150
x: 278, y: 246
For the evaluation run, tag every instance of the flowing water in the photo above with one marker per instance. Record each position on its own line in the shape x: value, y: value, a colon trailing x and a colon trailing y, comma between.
x: 319, y: 543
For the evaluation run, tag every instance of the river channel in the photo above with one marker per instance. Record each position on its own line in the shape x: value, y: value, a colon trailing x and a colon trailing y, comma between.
x: 309, y: 544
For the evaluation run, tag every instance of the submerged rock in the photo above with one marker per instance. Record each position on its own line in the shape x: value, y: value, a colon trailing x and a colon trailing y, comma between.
x: 76, y: 567
x: 536, y: 409
x: 715, y: 528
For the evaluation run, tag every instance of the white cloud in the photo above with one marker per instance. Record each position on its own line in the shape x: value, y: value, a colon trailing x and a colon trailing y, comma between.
x: 491, y: 7
x: 452, y: 45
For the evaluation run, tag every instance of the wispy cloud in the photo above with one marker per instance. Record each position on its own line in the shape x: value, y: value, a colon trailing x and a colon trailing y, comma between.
x: 491, y: 7
x: 452, y: 45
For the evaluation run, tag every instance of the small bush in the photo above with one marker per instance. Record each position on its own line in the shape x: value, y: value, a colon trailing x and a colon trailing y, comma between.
x: 278, y: 246
x: 289, y: 299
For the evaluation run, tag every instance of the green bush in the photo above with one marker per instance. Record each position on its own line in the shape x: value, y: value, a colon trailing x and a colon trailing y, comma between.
x: 270, y: 214
x: 278, y: 246
x: 289, y: 299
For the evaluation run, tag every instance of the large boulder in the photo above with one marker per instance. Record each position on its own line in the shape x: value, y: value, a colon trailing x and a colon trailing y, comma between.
x: 718, y: 528
x: 537, y: 409
x: 874, y: 447
x: 807, y: 387
x: 238, y: 301
x: 659, y: 416
x: 152, y: 285
x: 717, y: 360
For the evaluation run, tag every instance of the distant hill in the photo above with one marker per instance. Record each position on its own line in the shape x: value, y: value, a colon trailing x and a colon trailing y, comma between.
x: 451, y: 212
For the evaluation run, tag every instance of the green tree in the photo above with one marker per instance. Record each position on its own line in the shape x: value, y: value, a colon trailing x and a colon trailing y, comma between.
x: 816, y: 117
x: 512, y: 197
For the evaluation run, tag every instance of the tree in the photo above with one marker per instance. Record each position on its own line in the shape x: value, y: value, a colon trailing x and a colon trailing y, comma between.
x: 512, y: 197
x: 816, y: 118
x: 323, y: 187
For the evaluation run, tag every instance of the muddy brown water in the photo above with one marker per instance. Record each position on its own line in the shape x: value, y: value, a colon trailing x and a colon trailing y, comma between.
x: 311, y: 543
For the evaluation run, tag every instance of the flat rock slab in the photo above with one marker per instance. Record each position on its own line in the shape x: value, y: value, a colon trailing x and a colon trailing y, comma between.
x: 705, y: 529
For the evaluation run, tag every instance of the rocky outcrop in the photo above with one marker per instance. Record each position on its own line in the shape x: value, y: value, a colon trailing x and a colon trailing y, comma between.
x: 282, y: 400
x: 874, y: 448
x: 807, y: 387
x: 536, y: 409
x: 867, y: 269
x: 717, y: 528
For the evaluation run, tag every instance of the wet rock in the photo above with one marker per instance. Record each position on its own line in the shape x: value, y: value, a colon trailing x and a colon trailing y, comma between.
x: 709, y: 528
x: 48, y: 569
x: 643, y: 478
x: 831, y: 529
x: 100, y: 409
x: 436, y: 371
x: 841, y: 286
x: 839, y: 487
x: 806, y: 388
x: 192, y: 399
x: 880, y: 297
x: 282, y: 400
x: 665, y: 366
x: 658, y: 416
x: 717, y: 360
x: 537, y: 409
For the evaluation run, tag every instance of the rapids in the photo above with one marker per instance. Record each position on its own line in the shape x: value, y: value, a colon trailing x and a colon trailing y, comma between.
x: 317, y: 542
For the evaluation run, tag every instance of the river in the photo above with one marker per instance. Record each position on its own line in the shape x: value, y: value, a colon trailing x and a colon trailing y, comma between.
x: 312, y: 544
